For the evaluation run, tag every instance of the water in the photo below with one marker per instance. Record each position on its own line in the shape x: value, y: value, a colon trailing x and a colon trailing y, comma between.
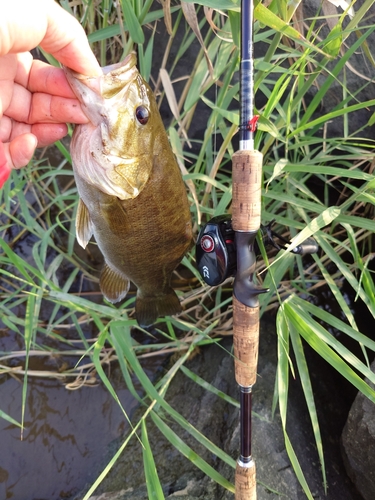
x: 66, y: 433
x: 65, y: 440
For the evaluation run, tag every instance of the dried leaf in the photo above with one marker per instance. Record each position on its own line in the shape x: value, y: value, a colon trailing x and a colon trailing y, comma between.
x: 176, y: 146
x: 331, y: 14
x: 172, y: 101
x: 193, y: 191
x: 298, y: 19
x: 192, y: 20
x: 208, y: 12
x: 167, y: 15
x: 344, y: 5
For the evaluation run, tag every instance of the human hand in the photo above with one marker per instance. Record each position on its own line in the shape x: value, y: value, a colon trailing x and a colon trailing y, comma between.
x: 36, y: 101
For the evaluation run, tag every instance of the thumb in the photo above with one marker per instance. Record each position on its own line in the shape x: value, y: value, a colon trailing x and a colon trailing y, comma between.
x: 66, y: 40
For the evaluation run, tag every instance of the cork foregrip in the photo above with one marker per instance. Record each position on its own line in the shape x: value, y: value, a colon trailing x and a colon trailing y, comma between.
x: 247, y: 187
x: 245, y: 342
x: 245, y: 483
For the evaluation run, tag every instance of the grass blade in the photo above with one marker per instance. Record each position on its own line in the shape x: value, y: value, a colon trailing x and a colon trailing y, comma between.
x: 154, y: 488
x: 183, y: 448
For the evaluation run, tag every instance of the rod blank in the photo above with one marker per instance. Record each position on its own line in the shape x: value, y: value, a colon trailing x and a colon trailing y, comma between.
x: 247, y: 75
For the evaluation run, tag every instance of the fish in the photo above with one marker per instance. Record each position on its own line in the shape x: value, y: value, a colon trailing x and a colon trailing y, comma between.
x: 132, y: 197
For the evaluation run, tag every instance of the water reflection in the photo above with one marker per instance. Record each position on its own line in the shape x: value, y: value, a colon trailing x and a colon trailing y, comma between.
x: 65, y: 440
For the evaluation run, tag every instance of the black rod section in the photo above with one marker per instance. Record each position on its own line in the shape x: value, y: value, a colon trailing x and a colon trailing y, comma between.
x: 247, y: 75
x: 245, y: 423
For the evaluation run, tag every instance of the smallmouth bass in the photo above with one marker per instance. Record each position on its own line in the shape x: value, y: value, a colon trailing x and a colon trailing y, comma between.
x: 132, y: 196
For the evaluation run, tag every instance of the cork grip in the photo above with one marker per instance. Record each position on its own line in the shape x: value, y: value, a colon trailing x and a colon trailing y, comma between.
x: 245, y: 483
x: 245, y: 342
x: 247, y: 185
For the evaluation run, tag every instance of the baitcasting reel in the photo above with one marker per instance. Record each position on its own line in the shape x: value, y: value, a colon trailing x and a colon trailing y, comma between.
x: 216, y: 251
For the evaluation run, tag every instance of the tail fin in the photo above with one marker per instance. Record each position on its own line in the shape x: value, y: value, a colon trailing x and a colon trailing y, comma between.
x: 148, y: 309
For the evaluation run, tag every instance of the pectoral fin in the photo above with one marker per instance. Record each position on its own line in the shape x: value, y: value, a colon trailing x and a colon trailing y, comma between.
x: 83, y: 225
x: 113, y: 285
x: 114, y: 215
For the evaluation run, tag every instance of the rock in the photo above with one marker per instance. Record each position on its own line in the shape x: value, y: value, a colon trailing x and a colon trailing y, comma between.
x: 355, y: 78
x: 218, y: 420
x: 358, y: 444
x: 117, y: 495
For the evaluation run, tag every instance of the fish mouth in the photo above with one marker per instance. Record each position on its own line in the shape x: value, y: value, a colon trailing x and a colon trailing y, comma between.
x: 125, y: 65
x: 117, y: 76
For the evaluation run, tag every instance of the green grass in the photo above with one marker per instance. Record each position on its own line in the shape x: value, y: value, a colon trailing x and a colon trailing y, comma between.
x: 295, y: 75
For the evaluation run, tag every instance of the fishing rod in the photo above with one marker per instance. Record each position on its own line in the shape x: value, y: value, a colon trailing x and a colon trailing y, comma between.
x: 226, y: 246
x: 246, y: 218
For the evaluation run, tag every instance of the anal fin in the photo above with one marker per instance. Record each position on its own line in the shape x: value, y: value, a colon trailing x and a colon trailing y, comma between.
x: 113, y: 285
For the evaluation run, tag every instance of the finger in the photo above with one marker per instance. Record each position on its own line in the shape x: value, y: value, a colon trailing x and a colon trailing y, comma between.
x: 23, y: 62
x: 43, y: 77
x: 44, y: 108
x: 4, y: 174
x: 48, y: 134
x: 50, y: 80
x: 5, y: 128
x: 18, y: 107
x: 8, y: 70
x: 20, y: 151
x: 25, y: 24
x: 18, y: 129
x: 53, y: 109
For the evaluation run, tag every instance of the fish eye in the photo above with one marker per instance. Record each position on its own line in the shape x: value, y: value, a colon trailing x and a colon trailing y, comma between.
x: 142, y: 114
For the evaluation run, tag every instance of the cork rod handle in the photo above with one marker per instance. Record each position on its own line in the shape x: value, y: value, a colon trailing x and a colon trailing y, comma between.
x: 247, y: 188
x: 245, y: 342
x: 245, y: 482
x: 246, y: 213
